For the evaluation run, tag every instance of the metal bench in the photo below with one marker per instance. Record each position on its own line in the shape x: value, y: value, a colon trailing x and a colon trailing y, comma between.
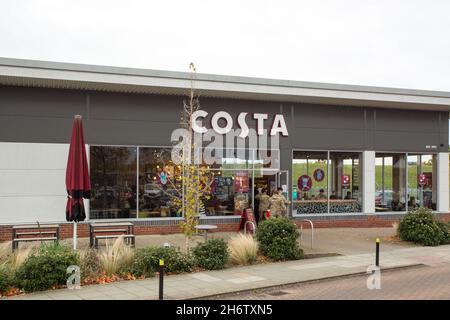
x: 128, y: 238
x: 105, y: 230
x: 34, y: 232
x: 15, y: 242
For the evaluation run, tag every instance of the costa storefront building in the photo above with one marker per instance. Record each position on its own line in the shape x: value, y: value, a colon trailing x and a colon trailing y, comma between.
x: 345, y: 156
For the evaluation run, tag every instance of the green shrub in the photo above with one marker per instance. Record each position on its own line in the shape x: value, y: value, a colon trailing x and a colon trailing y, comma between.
x: 146, y: 261
x: 6, y: 277
x: 445, y: 232
x: 211, y: 255
x: 419, y: 226
x: 278, y: 239
x: 46, y: 267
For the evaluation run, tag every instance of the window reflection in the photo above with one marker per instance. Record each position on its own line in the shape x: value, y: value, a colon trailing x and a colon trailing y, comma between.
x: 421, y: 185
x: 231, y: 187
x: 159, y: 184
x: 309, y: 177
x: 345, y: 194
x: 113, y: 176
x: 390, y: 180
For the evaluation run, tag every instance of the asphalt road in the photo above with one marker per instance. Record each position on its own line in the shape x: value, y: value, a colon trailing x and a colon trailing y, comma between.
x: 427, y: 282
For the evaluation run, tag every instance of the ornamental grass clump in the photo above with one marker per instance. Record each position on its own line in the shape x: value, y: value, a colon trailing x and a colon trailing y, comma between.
x: 243, y: 249
x: 9, y: 263
x: 5, y: 250
x: 278, y: 239
x: 6, y: 278
x: 117, y: 258
x: 419, y: 226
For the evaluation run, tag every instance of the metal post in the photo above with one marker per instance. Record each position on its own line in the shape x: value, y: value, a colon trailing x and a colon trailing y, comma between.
x: 75, y: 234
x: 161, y: 279
x: 377, y: 252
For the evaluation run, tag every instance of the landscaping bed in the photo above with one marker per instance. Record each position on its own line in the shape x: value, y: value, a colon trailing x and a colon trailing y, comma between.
x: 45, y: 267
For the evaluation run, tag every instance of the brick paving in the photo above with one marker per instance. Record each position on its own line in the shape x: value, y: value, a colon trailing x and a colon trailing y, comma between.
x: 430, y: 282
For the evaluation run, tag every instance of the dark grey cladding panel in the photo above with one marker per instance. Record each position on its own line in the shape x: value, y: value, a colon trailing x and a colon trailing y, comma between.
x: 129, y: 132
x: 443, y: 126
x: 323, y: 116
x: 234, y: 107
x: 45, y: 115
x: 327, y: 139
x: 406, y: 120
x: 35, y: 129
x: 35, y: 102
x: 405, y: 141
x: 135, y: 107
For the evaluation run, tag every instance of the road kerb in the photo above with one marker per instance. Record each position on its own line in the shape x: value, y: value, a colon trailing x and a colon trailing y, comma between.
x: 324, y: 279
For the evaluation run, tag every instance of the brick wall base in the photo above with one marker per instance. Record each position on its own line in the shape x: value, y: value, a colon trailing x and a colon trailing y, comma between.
x: 369, y: 221
x: 66, y: 230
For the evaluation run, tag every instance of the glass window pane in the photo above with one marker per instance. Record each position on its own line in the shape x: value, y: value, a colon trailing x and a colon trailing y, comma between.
x: 159, y: 184
x: 390, y: 190
x: 421, y: 185
x: 231, y: 188
x: 230, y: 192
x: 309, y: 182
x: 346, y: 175
x: 113, y: 179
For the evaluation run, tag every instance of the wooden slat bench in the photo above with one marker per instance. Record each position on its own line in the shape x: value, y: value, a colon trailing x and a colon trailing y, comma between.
x: 128, y: 238
x: 34, y: 232
x: 110, y: 230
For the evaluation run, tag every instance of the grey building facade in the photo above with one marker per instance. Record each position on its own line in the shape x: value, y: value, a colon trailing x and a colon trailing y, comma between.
x: 350, y: 150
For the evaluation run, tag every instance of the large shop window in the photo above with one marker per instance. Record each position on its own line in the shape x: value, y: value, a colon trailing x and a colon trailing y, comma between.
x: 310, y: 176
x: 120, y: 192
x: 345, y: 179
x: 326, y: 182
x: 390, y: 182
x: 113, y: 179
x: 159, y: 184
x: 421, y: 181
x: 231, y: 187
x: 404, y: 181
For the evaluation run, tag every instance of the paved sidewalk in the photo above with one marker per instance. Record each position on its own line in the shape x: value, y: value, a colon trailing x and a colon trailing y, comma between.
x: 202, y: 284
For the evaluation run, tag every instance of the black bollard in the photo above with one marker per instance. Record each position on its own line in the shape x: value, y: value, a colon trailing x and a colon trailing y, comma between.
x: 161, y: 279
x: 377, y: 252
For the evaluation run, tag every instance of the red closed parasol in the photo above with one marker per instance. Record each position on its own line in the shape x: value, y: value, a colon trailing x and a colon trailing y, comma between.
x: 78, y: 183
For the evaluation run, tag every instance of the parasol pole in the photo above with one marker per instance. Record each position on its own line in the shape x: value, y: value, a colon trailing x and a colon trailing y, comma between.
x: 74, y: 236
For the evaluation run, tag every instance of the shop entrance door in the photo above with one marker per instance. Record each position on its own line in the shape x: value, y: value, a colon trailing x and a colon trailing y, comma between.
x: 282, y: 181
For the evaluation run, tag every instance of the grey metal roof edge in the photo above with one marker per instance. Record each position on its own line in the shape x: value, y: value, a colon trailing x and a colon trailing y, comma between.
x: 64, y: 66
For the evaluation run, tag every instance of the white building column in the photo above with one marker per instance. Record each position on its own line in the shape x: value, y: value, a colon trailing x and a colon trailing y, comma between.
x: 442, y: 182
x: 368, y: 181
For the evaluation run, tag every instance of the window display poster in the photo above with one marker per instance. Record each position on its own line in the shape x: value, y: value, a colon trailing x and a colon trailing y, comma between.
x: 304, y: 183
x: 425, y: 180
x: 241, y: 181
x: 345, y: 180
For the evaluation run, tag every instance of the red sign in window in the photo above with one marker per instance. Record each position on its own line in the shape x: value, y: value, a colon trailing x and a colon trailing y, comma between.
x: 304, y: 183
x: 345, y: 180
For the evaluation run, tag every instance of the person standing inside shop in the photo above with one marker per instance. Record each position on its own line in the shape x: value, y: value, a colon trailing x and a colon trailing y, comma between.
x: 264, y: 203
x: 278, y: 204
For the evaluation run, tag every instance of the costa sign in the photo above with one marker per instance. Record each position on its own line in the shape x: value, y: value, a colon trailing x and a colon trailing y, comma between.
x: 278, y: 125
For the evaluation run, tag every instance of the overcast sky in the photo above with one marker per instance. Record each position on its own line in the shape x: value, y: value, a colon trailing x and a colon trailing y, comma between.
x: 384, y: 43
